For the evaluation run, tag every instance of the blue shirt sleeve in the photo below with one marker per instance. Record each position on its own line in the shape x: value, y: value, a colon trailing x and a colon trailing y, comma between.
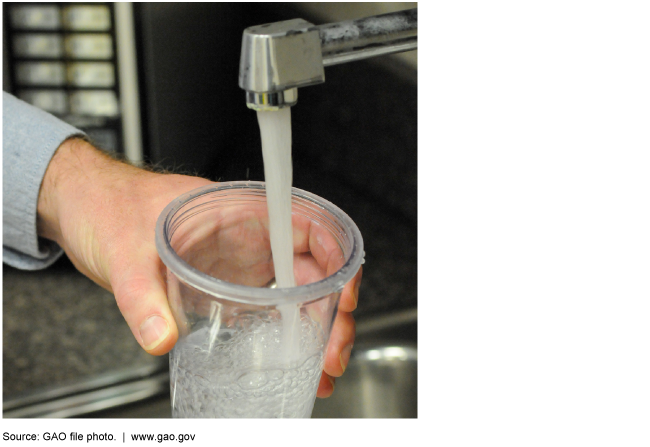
x: 30, y: 137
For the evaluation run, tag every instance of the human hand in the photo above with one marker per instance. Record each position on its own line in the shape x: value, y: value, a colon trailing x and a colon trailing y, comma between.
x: 103, y: 214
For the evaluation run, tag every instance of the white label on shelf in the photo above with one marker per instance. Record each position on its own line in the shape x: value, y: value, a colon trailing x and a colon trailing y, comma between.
x: 38, y: 45
x: 89, y: 46
x: 95, y: 103
x: 40, y: 73
x: 53, y: 101
x: 91, y: 74
x: 87, y: 18
x: 36, y: 17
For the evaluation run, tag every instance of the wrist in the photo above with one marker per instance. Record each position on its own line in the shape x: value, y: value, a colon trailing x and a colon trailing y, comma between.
x: 74, y: 167
x: 47, y: 220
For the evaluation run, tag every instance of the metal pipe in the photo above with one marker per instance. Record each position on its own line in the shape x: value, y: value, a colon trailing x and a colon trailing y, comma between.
x: 355, y: 40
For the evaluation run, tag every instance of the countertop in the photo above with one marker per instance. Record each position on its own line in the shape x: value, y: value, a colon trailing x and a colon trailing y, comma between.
x: 60, y: 328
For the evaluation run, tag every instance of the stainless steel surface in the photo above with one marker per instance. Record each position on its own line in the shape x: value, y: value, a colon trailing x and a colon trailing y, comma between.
x: 278, y: 57
x: 379, y: 382
x: 107, y: 391
x: 96, y: 400
x: 375, y: 326
x: 272, y: 101
x: 381, y: 378
x: 355, y: 40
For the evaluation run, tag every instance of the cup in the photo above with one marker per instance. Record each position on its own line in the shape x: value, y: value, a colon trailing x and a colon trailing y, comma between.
x: 246, y: 348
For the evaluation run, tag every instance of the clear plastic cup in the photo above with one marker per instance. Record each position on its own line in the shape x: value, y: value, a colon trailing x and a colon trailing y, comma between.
x: 245, y: 348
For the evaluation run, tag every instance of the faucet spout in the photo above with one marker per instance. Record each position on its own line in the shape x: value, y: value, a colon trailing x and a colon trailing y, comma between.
x: 278, y: 58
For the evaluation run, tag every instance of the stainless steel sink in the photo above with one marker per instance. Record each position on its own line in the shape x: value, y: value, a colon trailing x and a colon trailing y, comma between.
x: 380, y: 382
x: 381, y: 378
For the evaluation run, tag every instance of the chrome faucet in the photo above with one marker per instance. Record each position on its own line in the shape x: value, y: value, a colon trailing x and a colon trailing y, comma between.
x: 277, y: 58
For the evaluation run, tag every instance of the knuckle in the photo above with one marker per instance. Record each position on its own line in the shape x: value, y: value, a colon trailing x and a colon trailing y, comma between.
x: 131, y: 293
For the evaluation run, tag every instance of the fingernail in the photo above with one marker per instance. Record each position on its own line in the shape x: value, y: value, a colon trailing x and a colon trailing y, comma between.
x: 356, y: 294
x: 345, y: 356
x: 153, y: 331
x: 332, y: 381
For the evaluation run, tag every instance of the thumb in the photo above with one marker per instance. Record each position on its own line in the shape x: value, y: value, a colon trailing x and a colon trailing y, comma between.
x: 140, y: 293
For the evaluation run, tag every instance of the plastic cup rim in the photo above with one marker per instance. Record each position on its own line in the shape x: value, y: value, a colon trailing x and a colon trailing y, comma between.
x: 257, y: 295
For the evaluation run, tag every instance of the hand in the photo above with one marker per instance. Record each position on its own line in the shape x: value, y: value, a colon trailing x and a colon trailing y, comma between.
x: 103, y: 213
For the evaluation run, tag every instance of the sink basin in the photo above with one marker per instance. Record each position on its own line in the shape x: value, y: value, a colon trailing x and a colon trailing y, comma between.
x: 379, y: 382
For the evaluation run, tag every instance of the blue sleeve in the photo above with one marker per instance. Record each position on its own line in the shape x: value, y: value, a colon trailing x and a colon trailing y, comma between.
x: 30, y: 137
